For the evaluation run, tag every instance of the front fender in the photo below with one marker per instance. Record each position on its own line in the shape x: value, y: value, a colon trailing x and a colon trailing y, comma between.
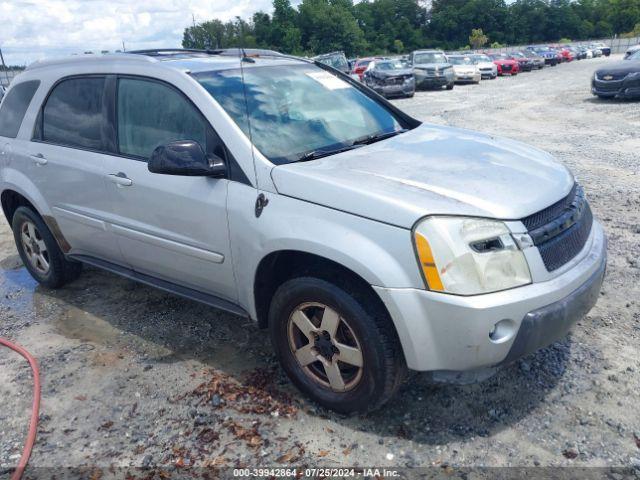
x: 379, y: 253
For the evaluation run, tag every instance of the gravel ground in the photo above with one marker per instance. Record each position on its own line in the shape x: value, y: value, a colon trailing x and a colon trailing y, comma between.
x: 136, y: 377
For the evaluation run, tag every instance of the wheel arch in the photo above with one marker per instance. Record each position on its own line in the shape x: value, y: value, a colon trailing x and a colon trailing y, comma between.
x: 279, y: 266
x: 13, y: 198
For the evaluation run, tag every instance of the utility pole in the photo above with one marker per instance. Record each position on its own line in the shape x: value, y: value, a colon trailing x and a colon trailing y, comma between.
x: 123, y: 47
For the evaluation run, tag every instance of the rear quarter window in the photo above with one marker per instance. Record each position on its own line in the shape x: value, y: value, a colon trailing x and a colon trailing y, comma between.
x: 15, y: 106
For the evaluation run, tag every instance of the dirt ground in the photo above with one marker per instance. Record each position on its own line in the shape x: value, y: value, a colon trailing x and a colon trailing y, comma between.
x: 136, y: 377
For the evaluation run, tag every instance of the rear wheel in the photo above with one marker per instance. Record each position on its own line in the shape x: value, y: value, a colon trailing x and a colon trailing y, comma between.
x: 335, y: 345
x: 450, y: 86
x: 40, y: 252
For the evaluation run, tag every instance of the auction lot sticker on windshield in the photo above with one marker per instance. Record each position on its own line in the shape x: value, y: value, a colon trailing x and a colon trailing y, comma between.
x: 328, y: 81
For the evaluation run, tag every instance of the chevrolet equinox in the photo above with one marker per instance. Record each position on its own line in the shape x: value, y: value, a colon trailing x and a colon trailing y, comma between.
x: 279, y: 189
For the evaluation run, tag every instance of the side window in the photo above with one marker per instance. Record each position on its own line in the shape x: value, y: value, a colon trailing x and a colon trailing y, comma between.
x: 15, y: 106
x: 74, y: 114
x: 151, y: 114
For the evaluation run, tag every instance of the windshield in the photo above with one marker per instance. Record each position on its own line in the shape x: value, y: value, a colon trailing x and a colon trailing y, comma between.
x: 337, y: 61
x: 393, y: 65
x: 460, y: 60
x: 296, y: 109
x: 429, y: 58
x: 482, y: 58
x: 634, y: 56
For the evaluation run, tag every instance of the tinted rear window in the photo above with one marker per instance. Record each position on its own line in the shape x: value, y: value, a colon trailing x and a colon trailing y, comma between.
x: 15, y: 106
x: 74, y: 114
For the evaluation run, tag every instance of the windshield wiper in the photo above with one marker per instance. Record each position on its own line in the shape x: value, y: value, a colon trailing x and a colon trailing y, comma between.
x: 314, y: 154
x: 368, y: 139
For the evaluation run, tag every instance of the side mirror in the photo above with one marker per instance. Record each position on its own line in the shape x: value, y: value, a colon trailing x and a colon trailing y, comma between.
x: 187, y: 158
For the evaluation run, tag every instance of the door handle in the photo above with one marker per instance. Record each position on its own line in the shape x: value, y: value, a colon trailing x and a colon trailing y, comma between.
x: 39, y: 159
x: 120, y: 179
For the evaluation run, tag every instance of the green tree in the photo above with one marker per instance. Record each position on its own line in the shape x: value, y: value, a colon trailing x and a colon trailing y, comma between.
x: 328, y: 25
x: 477, y: 39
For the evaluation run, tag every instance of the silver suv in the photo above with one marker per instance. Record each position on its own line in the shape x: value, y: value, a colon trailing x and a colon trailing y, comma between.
x: 432, y: 69
x: 279, y: 189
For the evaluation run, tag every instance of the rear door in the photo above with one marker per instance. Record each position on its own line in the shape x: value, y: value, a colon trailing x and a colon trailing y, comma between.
x: 65, y: 161
x: 170, y: 227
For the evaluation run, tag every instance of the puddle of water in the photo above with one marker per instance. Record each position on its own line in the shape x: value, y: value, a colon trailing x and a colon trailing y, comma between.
x: 80, y: 325
x: 17, y: 286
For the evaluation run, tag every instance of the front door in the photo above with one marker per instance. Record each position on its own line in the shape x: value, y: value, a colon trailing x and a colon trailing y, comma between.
x: 171, y: 227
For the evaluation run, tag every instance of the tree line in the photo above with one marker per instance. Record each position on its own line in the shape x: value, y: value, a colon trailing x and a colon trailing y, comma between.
x: 395, y: 26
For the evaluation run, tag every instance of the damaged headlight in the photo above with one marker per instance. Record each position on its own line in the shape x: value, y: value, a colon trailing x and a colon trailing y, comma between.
x: 468, y: 256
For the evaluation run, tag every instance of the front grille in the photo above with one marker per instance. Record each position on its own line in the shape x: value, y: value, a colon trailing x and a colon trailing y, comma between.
x: 532, y: 222
x: 561, y: 230
x: 614, y: 77
x: 506, y: 68
x: 612, y: 86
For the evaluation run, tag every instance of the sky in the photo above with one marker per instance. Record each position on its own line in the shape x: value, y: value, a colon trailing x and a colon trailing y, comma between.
x: 35, y: 29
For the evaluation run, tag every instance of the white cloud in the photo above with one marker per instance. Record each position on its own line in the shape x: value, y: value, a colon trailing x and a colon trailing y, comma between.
x: 34, y: 29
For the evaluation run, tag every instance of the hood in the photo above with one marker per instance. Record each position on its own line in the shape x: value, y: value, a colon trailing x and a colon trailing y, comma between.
x: 485, y: 64
x: 431, y: 65
x: 391, y: 73
x: 620, y: 68
x: 465, y: 68
x: 430, y: 170
x: 504, y: 61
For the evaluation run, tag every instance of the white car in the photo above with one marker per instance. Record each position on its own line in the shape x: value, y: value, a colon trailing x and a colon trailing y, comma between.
x: 488, y: 69
x: 465, y: 69
x: 361, y: 240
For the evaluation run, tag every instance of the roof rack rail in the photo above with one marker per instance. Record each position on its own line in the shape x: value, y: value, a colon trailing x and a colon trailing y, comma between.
x: 158, y: 52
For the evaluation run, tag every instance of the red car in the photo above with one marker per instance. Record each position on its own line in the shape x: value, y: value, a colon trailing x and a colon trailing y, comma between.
x: 505, y: 64
x: 362, y: 64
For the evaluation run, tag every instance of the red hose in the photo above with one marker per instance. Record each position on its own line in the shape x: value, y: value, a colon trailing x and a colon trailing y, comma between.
x: 35, y: 410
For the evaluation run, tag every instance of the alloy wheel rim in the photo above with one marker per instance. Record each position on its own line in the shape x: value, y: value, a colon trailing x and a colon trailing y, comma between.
x: 34, y: 247
x: 325, y: 346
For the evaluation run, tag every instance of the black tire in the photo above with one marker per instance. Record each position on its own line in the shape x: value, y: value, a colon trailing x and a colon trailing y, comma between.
x: 450, y: 86
x: 383, y: 365
x: 60, y: 270
x: 410, y: 95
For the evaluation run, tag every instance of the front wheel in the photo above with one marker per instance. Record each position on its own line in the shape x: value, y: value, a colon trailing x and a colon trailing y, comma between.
x: 450, y: 86
x: 335, y: 345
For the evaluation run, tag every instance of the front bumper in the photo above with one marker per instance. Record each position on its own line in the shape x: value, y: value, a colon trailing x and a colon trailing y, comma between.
x: 468, y: 78
x: 625, y: 88
x: 406, y: 88
x: 424, y: 80
x: 452, y: 333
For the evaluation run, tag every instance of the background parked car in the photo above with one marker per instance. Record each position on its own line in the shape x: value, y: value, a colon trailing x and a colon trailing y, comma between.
x: 525, y: 64
x: 361, y: 65
x: 631, y: 50
x: 336, y: 60
x: 550, y: 57
x: 2, y: 92
x: 432, y: 69
x: 488, y: 69
x: 581, y: 52
x: 506, y: 65
x: 619, y: 79
x: 465, y: 69
x: 597, y: 52
x: 538, y: 61
x: 390, y: 78
x: 606, y: 50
